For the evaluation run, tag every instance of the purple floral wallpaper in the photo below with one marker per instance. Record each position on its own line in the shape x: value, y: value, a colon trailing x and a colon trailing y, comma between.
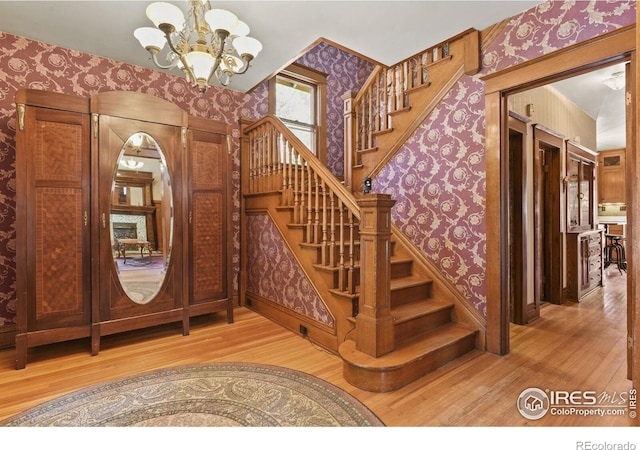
x: 438, y: 176
x: 554, y: 25
x: 345, y: 72
x: 438, y: 182
x: 274, y: 273
x: 31, y: 64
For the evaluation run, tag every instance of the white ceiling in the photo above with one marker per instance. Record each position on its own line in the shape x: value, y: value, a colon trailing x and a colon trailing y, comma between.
x: 601, y: 103
x: 385, y: 31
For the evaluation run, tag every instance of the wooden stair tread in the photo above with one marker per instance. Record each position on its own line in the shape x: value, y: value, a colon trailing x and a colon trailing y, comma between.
x: 400, y: 110
x: 381, y: 132
x: 407, y: 282
x: 418, y: 88
x: 407, y: 352
x: 408, y: 311
x: 400, y: 259
x: 344, y: 295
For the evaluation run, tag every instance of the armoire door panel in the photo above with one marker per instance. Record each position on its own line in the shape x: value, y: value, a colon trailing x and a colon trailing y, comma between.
x: 118, y: 305
x: 60, y: 267
x: 207, y: 162
x: 59, y: 155
x: 55, y: 225
x: 115, y: 303
x: 209, y: 251
x: 208, y: 242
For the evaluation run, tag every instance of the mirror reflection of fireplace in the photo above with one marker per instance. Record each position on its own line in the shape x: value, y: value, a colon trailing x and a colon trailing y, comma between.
x: 128, y: 241
x: 125, y: 230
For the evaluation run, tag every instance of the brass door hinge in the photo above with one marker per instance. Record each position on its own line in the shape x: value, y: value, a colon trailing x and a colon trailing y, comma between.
x: 21, y: 111
x: 95, y: 118
x: 629, y: 342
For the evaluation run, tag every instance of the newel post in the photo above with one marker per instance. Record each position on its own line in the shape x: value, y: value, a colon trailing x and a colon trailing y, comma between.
x: 349, y: 139
x: 374, y: 323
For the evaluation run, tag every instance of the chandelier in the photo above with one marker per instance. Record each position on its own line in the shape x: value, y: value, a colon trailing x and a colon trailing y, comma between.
x: 133, y: 144
x: 220, y: 46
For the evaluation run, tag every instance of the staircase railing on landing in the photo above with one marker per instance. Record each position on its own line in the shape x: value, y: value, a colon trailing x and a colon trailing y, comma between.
x: 386, y: 93
x: 327, y: 213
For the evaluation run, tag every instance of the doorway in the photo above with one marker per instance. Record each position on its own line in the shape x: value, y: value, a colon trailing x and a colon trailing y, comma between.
x: 613, y: 48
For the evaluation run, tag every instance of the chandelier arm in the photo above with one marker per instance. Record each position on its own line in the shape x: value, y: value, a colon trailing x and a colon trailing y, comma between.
x: 247, y: 59
x: 167, y: 36
x: 222, y: 36
x: 154, y: 57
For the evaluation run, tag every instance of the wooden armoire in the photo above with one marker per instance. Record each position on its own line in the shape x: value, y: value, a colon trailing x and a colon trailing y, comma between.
x: 89, y: 170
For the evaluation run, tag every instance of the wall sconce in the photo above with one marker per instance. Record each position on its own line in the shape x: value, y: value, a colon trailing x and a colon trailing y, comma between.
x: 530, y: 109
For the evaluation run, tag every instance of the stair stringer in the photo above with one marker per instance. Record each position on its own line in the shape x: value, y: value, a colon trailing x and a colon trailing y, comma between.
x: 330, y: 339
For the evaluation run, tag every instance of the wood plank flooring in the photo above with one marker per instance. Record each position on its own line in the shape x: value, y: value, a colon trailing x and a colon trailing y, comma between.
x: 576, y: 346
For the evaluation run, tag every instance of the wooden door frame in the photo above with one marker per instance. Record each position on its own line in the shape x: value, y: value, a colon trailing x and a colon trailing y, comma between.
x: 520, y: 312
x: 548, y: 207
x: 610, y: 48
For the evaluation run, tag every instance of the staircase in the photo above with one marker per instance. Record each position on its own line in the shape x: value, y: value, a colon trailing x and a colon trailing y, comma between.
x: 396, y: 317
x: 396, y: 100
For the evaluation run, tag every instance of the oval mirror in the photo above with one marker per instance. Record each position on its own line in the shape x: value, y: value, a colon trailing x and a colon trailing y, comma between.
x: 141, y: 218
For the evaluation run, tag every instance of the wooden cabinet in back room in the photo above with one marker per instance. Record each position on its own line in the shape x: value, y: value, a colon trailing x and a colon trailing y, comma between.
x: 584, y: 266
x: 611, y: 176
x: 122, y: 217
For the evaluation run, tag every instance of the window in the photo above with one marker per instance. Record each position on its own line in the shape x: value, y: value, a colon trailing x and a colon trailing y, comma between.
x: 297, y: 96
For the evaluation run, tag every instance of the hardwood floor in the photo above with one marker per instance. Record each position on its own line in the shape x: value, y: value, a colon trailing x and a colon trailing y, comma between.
x: 571, y: 347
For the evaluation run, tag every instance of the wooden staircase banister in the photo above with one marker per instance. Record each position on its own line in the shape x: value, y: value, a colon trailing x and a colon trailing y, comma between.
x: 374, y: 128
x: 320, y: 205
x: 310, y: 159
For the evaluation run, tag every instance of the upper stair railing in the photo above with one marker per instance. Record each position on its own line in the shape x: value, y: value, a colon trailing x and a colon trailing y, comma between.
x: 386, y: 92
x: 321, y: 206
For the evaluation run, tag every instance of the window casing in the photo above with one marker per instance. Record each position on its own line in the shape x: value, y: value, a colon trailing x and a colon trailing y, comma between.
x: 297, y: 96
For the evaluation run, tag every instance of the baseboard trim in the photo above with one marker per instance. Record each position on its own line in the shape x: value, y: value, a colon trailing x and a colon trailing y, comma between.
x: 321, y: 334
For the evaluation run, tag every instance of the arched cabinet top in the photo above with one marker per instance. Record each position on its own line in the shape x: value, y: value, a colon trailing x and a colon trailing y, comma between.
x: 138, y: 106
x: 124, y: 104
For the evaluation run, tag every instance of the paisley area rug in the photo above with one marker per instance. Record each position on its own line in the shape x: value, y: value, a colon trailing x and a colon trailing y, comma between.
x: 205, y: 395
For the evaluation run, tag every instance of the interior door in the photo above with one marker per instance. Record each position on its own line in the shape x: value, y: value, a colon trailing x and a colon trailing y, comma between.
x: 520, y: 311
x: 547, y: 210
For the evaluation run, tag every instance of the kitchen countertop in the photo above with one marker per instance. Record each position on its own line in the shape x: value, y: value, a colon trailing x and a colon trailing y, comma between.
x: 613, y: 219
